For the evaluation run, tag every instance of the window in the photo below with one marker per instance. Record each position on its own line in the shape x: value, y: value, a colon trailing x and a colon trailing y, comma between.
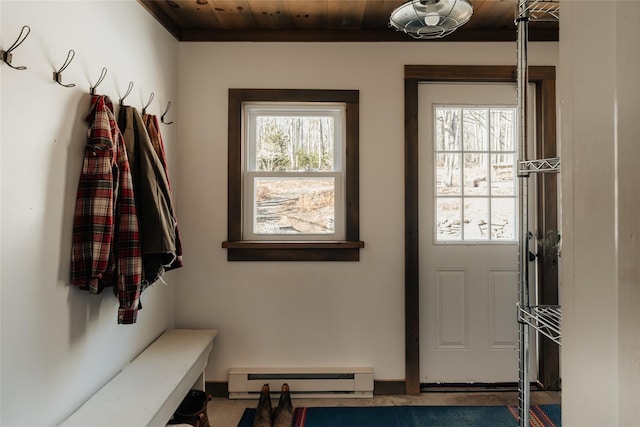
x: 475, y: 156
x: 293, y: 175
x: 293, y: 171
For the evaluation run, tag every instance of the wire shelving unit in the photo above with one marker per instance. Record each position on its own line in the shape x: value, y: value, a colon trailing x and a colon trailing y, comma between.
x: 543, y: 319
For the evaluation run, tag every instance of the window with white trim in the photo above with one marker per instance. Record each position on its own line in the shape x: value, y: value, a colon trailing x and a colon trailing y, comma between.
x: 294, y: 171
x: 475, y: 173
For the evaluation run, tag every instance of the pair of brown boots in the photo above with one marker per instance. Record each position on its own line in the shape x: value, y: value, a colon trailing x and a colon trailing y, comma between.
x: 283, y: 414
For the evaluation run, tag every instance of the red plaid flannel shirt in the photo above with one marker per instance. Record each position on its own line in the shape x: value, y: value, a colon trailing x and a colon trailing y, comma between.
x: 106, y: 241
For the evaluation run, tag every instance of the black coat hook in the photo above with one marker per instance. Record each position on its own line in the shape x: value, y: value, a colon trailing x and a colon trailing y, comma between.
x: 165, y: 113
x: 144, y: 109
x: 6, y: 55
x: 103, y: 74
x: 57, y: 75
x: 126, y: 93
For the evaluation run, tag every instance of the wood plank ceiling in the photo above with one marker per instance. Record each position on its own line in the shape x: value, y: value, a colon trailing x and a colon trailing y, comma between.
x: 325, y: 21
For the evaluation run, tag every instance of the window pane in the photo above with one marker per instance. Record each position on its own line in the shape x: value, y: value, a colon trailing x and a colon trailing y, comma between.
x: 448, y: 129
x: 294, y: 205
x: 476, y: 167
x: 503, y: 213
x: 503, y: 129
x: 448, y: 174
x: 287, y: 143
x: 475, y: 133
x: 448, y: 219
x: 503, y: 175
x: 476, y: 219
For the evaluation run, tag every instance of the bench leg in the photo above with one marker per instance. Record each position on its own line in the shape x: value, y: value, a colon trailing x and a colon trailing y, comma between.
x: 199, y: 384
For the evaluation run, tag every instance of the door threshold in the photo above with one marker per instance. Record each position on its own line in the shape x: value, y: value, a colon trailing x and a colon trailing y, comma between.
x: 473, y: 387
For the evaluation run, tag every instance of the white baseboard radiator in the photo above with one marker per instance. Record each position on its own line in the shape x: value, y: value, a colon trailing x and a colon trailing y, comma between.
x: 246, y: 383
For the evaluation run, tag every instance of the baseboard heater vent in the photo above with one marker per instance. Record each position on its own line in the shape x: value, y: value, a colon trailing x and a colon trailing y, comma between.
x: 246, y: 383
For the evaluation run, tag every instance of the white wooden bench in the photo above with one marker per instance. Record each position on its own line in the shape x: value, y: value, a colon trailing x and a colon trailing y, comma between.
x: 148, y: 390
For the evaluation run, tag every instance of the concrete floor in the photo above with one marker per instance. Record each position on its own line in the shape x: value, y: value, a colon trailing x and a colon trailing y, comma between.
x: 227, y: 413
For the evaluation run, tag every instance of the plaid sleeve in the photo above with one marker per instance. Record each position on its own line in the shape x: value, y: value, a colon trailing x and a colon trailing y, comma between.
x: 93, y: 220
x: 129, y: 253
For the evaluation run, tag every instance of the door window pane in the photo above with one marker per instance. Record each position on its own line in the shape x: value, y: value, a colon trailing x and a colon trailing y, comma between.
x: 448, y: 174
x: 476, y: 218
x: 503, y: 174
x: 475, y: 135
x: 448, y: 129
x: 503, y: 129
x: 448, y: 219
x: 476, y: 169
x: 503, y: 225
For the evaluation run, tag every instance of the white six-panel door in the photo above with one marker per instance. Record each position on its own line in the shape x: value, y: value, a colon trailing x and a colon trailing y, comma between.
x: 468, y: 289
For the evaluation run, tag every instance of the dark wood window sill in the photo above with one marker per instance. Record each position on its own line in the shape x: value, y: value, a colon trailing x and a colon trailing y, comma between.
x: 293, y: 251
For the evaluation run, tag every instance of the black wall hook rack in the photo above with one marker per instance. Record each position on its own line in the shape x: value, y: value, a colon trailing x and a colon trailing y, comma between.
x: 57, y: 75
x: 103, y: 74
x: 165, y: 113
x: 6, y: 55
x: 144, y: 109
x: 129, y: 89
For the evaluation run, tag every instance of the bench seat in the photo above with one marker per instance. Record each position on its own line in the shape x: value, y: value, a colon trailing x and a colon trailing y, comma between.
x: 148, y: 390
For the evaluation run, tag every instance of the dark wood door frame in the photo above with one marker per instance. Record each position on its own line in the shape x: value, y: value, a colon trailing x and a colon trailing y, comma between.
x: 544, y: 79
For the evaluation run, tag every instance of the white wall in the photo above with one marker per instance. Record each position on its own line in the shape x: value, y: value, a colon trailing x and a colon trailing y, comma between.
x: 59, y: 344
x: 600, y: 266
x: 305, y: 313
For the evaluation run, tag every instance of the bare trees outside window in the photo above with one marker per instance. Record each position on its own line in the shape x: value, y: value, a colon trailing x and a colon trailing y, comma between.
x: 294, y: 172
x: 475, y: 173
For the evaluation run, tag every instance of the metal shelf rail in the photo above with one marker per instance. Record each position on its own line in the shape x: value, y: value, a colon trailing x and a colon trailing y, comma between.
x: 541, y: 165
x: 543, y: 319
x: 544, y: 10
